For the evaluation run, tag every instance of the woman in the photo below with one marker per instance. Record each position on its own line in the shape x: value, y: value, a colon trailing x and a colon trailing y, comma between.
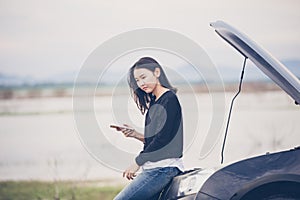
x: 161, y: 158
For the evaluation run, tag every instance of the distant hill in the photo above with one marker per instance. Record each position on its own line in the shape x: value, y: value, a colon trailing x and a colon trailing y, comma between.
x: 253, y: 73
x: 184, y: 74
x: 13, y: 80
x: 8, y: 81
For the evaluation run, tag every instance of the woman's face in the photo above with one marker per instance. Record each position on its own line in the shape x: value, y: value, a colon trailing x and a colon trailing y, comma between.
x: 146, y: 79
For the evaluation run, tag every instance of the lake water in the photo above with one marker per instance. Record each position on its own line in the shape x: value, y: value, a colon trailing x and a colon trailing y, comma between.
x: 39, y: 138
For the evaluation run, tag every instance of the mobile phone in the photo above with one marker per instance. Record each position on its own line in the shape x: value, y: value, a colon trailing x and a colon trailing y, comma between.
x: 121, y: 127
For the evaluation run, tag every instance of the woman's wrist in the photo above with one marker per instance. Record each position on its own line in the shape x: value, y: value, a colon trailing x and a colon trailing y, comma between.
x: 138, y: 135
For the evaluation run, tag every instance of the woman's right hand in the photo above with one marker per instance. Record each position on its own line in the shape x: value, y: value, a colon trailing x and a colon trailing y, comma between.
x: 130, y: 132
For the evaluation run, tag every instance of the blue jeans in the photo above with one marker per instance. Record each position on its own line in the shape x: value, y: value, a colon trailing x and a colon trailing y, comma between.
x: 149, y: 184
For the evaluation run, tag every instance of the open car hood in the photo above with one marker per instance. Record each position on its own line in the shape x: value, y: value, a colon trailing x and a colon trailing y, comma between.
x: 261, y: 58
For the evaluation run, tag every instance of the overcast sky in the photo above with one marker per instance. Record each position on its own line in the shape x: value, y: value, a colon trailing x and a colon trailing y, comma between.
x: 43, y: 38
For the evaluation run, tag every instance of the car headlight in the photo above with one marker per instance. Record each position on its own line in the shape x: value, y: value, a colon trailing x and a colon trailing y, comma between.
x: 192, y: 183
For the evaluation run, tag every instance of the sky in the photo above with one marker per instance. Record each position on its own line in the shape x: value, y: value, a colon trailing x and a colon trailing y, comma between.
x: 40, y: 38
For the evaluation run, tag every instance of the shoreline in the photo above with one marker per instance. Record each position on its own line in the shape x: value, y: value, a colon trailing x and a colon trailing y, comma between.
x: 67, y: 91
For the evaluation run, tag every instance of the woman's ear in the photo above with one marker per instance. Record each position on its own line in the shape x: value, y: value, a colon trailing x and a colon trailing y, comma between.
x: 157, y: 72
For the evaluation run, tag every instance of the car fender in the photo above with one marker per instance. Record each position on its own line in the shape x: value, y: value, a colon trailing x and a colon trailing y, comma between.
x: 241, y: 177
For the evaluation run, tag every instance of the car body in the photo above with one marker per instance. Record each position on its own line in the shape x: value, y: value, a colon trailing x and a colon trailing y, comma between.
x: 269, y: 176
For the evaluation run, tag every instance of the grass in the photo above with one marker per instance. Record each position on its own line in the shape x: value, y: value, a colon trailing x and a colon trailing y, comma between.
x: 35, y: 190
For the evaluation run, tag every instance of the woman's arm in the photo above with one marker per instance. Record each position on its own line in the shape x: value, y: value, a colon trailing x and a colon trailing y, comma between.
x: 129, y: 132
x: 134, y: 134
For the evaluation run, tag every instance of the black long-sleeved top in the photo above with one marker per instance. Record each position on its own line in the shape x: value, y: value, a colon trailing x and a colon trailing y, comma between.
x: 163, y: 130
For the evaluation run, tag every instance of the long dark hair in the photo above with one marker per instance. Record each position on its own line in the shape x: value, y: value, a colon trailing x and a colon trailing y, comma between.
x: 141, y: 98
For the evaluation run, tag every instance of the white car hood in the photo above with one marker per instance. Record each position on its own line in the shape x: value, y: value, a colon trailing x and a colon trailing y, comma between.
x: 261, y: 58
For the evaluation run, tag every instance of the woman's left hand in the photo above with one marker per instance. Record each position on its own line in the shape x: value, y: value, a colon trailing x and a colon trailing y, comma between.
x: 129, y: 173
